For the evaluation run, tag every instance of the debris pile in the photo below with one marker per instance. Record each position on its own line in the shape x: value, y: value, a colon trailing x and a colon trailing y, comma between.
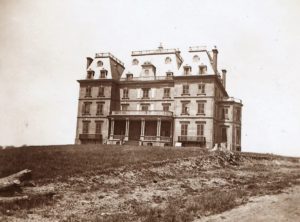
x: 18, y: 187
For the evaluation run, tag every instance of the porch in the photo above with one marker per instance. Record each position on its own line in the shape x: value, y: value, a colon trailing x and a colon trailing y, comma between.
x: 141, y: 127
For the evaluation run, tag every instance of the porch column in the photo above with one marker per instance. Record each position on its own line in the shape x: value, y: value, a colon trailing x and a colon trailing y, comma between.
x: 126, y: 129
x: 142, y: 129
x: 158, y: 129
x: 112, y: 128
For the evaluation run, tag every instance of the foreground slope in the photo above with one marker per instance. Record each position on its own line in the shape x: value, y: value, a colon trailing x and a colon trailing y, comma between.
x: 106, y: 183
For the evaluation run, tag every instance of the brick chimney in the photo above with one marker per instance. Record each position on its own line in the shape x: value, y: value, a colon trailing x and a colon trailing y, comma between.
x: 215, y: 60
x: 224, y: 71
x: 89, y: 60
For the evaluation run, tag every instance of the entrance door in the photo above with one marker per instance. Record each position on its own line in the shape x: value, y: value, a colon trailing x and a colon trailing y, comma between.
x: 134, y: 130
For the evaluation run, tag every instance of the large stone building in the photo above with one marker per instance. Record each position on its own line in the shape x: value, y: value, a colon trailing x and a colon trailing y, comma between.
x: 160, y: 100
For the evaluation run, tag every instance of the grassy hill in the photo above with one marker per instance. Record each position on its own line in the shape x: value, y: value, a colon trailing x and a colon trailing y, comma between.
x: 123, y: 183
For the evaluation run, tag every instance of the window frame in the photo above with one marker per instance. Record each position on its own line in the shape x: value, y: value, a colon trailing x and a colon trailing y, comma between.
x: 184, y: 129
x: 98, y: 127
x: 146, y: 95
x: 185, y: 89
x: 100, y: 108
x: 201, y: 108
x: 88, y: 91
x: 85, y: 127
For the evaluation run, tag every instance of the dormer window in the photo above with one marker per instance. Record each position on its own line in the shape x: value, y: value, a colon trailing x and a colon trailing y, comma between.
x: 129, y: 76
x: 99, y: 63
x: 169, y: 75
x: 168, y: 60
x: 202, y: 69
x: 103, y: 74
x: 187, y: 70
x: 146, y: 71
x: 196, y: 58
x: 90, y: 74
x: 135, y: 62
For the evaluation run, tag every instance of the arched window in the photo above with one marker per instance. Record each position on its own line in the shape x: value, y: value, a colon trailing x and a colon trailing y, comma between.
x: 135, y: 62
x: 196, y: 58
x: 168, y: 60
x: 99, y: 63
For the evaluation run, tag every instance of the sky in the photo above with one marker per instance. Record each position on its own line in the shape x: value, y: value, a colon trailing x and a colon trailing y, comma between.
x: 44, y: 43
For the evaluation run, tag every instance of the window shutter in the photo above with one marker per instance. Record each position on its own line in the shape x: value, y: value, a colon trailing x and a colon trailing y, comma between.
x: 152, y: 106
x: 138, y: 93
x: 152, y: 93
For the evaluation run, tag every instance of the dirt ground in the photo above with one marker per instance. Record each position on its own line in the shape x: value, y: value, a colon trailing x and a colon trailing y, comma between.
x: 183, y: 189
x: 281, y: 207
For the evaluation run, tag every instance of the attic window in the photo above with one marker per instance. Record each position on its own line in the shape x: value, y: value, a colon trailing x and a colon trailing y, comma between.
x: 135, y: 62
x: 168, y: 60
x: 187, y: 70
x: 202, y: 69
x: 196, y: 58
x: 90, y: 74
x: 99, y: 63
x: 103, y: 74
x: 169, y: 75
x: 129, y: 76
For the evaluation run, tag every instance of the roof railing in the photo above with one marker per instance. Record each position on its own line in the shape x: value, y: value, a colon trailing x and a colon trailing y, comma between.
x: 156, y: 51
x: 108, y: 54
x: 197, y: 48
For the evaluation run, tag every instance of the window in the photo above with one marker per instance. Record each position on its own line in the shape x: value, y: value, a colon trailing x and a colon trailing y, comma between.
x: 169, y: 75
x: 202, y: 69
x: 86, y: 108
x: 99, y: 63
x: 125, y: 93
x: 166, y: 92
x: 146, y: 71
x: 187, y: 70
x: 196, y: 58
x: 238, y: 114
x: 124, y: 107
x: 135, y: 62
x: 101, y: 91
x: 100, y: 106
x: 103, y: 74
x: 98, y: 127
x: 85, y: 127
x: 201, y: 106
x: 201, y: 88
x: 90, y: 74
x: 200, y: 129
x: 166, y: 107
x: 129, y: 76
x: 184, y: 129
x: 185, y: 89
x: 88, y: 91
x: 185, y: 110
x: 168, y: 60
x: 146, y: 93
x: 145, y: 107
x: 224, y: 113
x: 238, y: 136
x: 223, y: 134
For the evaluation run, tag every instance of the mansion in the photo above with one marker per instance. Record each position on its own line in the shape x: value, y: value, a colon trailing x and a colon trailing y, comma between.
x: 161, y: 99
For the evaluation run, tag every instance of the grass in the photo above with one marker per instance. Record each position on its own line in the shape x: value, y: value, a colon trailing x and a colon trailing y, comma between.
x: 61, y: 162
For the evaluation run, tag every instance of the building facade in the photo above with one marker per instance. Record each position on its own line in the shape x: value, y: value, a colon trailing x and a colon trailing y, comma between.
x: 159, y: 100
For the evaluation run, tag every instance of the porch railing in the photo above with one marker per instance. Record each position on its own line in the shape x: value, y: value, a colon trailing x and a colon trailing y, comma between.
x: 118, y: 137
x: 142, y: 113
x: 90, y: 136
x: 191, y: 138
x: 150, y: 138
x: 165, y: 138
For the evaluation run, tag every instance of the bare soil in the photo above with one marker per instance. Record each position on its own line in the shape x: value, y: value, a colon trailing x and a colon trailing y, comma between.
x: 177, y: 189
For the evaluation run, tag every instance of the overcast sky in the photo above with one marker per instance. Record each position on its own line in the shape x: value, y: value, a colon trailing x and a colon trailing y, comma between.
x: 43, y: 45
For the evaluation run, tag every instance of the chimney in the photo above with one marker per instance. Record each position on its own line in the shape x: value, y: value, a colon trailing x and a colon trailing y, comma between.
x: 224, y: 71
x: 89, y: 60
x: 215, y: 60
